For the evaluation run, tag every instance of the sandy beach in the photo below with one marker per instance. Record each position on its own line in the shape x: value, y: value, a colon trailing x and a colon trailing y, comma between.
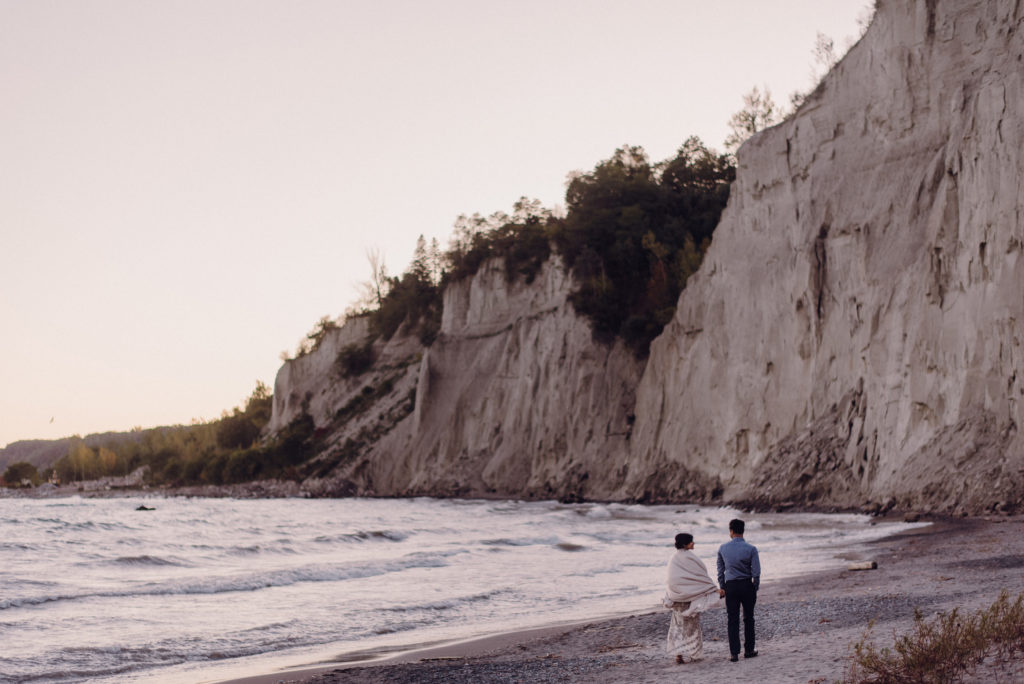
x: 805, y: 626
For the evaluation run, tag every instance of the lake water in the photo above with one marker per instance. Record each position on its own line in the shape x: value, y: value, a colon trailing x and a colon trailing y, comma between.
x: 201, y: 590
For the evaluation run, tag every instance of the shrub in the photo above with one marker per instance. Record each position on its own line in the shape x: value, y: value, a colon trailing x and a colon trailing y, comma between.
x: 360, y: 403
x: 243, y: 466
x: 355, y: 359
x: 236, y: 431
x: 18, y: 472
x: 213, y: 470
x: 339, y: 455
x: 292, y: 445
x: 942, y: 649
x: 430, y: 326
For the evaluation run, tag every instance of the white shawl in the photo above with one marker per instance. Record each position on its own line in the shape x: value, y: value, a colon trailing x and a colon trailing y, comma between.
x: 689, y: 582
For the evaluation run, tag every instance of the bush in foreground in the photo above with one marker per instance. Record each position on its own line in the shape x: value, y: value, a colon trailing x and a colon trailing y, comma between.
x: 942, y: 649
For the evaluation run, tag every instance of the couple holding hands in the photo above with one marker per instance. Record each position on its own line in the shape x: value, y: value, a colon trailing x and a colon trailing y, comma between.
x: 691, y: 591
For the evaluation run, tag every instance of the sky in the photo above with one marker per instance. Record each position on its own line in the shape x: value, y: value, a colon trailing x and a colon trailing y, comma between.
x: 187, y: 186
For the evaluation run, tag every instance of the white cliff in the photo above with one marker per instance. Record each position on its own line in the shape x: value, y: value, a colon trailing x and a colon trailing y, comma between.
x: 855, y: 331
x: 513, y: 398
x: 853, y: 335
x: 312, y: 382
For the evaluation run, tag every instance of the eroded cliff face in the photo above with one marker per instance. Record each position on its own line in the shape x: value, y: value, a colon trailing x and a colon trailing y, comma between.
x: 852, y: 337
x: 855, y: 332
x: 513, y: 398
x: 311, y: 384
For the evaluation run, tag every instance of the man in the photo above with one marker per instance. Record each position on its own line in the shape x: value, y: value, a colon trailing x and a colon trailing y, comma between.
x: 739, y: 575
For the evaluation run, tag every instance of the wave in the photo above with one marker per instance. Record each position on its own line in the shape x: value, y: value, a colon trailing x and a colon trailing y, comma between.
x: 244, y: 550
x: 81, y: 663
x: 361, y: 536
x: 250, y: 582
x: 448, y: 604
x: 84, y: 663
x: 73, y: 674
x: 80, y: 526
x: 507, y: 542
x: 16, y: 546
x: 145, y: 560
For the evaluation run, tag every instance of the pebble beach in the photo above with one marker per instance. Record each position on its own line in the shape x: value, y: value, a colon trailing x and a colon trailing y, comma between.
x: 806, y: 625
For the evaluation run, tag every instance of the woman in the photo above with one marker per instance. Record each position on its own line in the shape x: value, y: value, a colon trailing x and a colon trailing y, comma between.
x: 690, y: 592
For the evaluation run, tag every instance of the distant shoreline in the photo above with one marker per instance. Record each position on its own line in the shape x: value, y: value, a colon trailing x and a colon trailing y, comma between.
x: 288, y: 489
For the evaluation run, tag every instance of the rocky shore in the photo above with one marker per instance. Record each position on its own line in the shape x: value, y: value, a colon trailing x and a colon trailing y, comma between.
x: 806, y: 626
x: 111, y: 486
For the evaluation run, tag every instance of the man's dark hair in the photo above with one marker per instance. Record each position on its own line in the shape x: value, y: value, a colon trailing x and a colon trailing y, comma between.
x: 683, y: 539
x: 736, y: 525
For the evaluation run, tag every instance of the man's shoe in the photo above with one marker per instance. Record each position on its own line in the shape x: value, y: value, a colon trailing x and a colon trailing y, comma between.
x: 734, y: 657
x: 752, y: 654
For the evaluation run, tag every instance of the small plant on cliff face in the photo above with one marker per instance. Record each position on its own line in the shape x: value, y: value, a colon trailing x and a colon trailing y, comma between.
x: 942, y: 649
x: 363, y: 401
x: 313, y: 339
x: 355, y: 359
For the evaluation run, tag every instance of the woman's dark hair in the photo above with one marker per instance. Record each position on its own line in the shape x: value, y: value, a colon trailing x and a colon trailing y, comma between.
x: 683, y: 540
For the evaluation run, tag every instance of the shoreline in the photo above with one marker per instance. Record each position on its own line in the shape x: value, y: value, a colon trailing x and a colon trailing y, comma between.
x: 471, y: 647
x: 806, y: 625
x: 277, y: 489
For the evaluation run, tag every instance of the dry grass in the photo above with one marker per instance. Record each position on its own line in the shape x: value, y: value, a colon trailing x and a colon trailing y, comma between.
x: 942, y: 649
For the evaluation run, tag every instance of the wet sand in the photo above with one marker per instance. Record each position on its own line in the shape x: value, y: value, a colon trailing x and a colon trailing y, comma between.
x: 805, y: 626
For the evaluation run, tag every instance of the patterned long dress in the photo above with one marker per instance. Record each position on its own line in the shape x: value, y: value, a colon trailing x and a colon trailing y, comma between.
x: 684, y: 634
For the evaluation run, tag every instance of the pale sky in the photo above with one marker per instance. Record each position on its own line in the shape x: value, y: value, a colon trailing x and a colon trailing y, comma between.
x: 186, y: 186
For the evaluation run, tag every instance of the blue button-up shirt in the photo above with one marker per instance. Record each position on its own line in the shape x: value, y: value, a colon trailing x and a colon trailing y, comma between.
x: 738, y: 560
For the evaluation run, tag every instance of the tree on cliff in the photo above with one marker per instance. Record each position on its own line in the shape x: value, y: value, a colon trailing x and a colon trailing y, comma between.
x: 635, y: 232
x: 373, y: 291
x: 759, y: 112
x: 522, y: 239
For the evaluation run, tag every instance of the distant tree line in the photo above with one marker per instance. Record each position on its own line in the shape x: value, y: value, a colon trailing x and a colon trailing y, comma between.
x: 225, y: 451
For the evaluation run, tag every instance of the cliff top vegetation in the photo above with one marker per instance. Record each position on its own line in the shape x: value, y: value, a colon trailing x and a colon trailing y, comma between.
x: 632, y: 233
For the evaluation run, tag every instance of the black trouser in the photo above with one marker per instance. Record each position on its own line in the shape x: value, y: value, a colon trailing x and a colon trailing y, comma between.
x: 738, y: 593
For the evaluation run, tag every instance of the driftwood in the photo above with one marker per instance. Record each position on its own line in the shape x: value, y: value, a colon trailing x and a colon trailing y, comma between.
x: 863, y: 565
